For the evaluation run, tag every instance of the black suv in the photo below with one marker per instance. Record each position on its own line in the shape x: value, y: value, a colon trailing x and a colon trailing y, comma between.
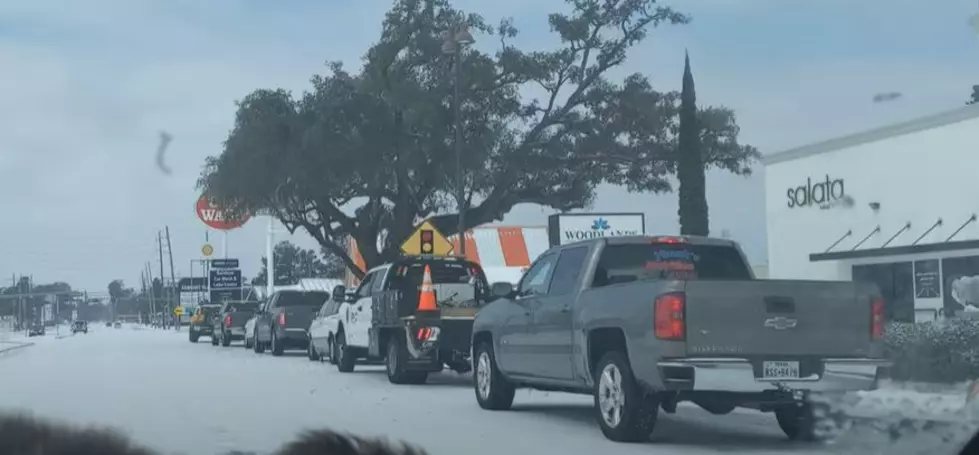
x: 37, y: 329
x: 79, y: 326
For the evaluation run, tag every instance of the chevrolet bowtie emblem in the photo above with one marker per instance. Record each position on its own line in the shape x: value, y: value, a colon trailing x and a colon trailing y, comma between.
x: 781, y: 323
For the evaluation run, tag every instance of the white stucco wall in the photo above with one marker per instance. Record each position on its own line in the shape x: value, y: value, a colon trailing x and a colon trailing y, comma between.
x: 917, y: 177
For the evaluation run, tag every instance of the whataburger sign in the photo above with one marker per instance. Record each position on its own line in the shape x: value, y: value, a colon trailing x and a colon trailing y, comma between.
x: 213, y: 217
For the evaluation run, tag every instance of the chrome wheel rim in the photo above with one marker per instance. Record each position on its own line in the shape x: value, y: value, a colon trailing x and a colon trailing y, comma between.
x: 483, y: 372
x: 611, y: 398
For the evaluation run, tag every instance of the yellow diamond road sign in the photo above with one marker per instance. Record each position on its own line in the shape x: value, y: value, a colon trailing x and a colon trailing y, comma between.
x: 178, y: 311
x: 207, y: 250
x: 427, y: 240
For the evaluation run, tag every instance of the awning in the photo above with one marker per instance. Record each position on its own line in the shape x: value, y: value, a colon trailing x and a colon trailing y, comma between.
x: 896, y: 250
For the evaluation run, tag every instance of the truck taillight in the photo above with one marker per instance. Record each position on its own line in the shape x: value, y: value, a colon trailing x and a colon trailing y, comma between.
x: 227, y: 320
x: 668, y: 323
x: 427, y: 334
x: 877, y: 317
x: 281, y: 319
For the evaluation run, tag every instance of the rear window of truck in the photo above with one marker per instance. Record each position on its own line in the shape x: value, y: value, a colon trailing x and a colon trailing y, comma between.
x: 442, y: 273
x: 669, y: 261
x: 293, y: 299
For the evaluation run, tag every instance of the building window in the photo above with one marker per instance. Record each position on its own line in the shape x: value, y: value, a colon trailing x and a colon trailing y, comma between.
x: 896, y: 283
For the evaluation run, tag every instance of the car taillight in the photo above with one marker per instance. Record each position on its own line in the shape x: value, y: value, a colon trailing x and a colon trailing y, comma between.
x: 227, y: 320
x: 281, y: 319
x: 668, y: 323
x: 877, y: 317
x: 427, y: 334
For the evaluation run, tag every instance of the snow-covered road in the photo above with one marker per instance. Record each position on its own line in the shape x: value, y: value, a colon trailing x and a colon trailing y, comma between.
x: 187, y: 398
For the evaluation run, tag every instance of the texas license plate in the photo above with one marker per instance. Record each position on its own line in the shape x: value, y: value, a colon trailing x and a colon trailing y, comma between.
x: 779, y: 369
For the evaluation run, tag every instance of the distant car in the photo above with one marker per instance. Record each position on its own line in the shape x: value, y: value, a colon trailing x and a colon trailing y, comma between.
x: 37, y: 329
x: 79, y: 326
x: 202, y: 322
x: 118, y: 325
x: 108, y: 324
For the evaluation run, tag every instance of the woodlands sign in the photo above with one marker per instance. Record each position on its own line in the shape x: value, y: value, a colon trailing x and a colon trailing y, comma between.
x: 572, y: 227
x: 818, y: 193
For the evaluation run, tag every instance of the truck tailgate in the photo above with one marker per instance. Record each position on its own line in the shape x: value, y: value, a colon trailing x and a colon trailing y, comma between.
x: 299, y: 316
x: 239, y: 318
x: 771, y: 318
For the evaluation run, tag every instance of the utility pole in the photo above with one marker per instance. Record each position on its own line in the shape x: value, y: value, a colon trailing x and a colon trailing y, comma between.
x: 16, y: 303
x: 454, y: 44
x: 30, y: 302
x: 159, y: 244
x: 173, y: 279
x: 153, y: 309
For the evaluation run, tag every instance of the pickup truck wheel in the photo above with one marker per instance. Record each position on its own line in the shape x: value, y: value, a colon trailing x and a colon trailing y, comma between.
x: 311, y: 352
x: 493, y: 391
x: 257, y: 345
x: 193, y: 336
x: 276, y: 345
x: 345, y: 358
x: 395, y: 365
x: 332, y: 348
x: 225, y: 339
x: 625, y: 413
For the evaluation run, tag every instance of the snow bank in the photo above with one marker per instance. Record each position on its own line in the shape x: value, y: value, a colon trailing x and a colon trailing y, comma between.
x: 913, y: 417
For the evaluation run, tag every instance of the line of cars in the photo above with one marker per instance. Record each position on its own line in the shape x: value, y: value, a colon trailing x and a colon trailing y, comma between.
x: 379, y: 322
x: 640, y: 323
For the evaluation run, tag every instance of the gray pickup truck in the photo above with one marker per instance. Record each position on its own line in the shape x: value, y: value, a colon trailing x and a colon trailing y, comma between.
x: 229, y: 324
x: 643, y: 323
x: 283, y: 321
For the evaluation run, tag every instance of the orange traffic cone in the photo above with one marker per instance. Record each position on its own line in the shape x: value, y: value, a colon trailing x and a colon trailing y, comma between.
x: 426, y: 298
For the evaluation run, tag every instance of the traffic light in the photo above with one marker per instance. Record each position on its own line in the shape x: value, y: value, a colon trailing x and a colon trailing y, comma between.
x: 428, y: 241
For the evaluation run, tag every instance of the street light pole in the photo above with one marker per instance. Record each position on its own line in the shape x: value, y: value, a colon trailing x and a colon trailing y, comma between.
x: 457, y: 119
x: 454, y: 43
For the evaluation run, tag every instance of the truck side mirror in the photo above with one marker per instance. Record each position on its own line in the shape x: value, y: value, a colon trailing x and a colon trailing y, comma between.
x: 339, y: 293
x: 501, y: 289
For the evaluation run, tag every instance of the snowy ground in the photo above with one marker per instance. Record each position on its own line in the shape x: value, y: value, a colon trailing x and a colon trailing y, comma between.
x: 200, y: 399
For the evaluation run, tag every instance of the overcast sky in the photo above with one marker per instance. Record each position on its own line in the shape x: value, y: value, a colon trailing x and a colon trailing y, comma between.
x: 87, y: 85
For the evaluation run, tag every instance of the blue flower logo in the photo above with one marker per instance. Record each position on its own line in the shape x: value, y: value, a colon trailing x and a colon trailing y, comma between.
x: 600, y: 224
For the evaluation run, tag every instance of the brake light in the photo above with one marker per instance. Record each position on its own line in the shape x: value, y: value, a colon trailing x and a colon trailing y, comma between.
x: 427, y: 334
x: 281, y: 319
x: 877, y: 317
x: 668, y: 239
x: 227, y: 320
x: 668, y: 323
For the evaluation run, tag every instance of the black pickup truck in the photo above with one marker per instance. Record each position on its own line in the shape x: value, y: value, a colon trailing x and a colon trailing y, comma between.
x: 229, y: 323
x: 642, y: 323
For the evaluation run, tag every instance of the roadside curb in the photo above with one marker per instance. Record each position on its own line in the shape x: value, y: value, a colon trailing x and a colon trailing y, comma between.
x: 16, y: 345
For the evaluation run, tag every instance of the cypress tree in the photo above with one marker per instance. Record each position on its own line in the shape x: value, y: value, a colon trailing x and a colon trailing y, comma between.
x: 690, y: 171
